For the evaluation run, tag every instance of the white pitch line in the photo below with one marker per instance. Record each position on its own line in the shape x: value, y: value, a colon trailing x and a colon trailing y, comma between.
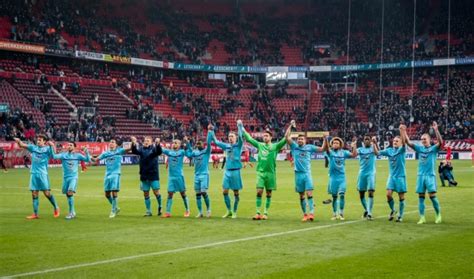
x: 184, y: 249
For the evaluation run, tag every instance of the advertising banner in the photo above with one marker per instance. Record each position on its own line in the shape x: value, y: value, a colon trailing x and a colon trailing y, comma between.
x: 21, y: 47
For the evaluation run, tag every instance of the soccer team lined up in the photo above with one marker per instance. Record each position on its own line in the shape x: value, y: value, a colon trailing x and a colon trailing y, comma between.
x: 149, y: 152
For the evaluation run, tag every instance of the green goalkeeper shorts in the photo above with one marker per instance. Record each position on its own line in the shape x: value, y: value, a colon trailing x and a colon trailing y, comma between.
x: 266, y: 181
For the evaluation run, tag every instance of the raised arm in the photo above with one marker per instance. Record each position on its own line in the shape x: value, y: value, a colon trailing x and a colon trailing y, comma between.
x: 240, y: 130
x: 209, y: 138
x: 404, y: 136
x: 188, y: 149
x: 282, y: 142
x: 438, y: 135
x: 325, y: 147
x: 20, y: 143
x: 375, y: 146
x: 135, y: 149
x: 54, y: 155
x: 289, y: 140
x: 354, y: 148
x: 157, y: 151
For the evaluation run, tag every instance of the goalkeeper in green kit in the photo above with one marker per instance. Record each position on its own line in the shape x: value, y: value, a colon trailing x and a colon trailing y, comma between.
x: 266, y: 175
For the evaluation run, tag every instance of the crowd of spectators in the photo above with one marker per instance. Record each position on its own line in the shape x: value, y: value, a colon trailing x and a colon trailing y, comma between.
x: 260, y: 36
x: 387, y: 109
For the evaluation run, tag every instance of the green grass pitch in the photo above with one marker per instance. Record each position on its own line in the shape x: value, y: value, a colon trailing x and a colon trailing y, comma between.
x: 131, y: 246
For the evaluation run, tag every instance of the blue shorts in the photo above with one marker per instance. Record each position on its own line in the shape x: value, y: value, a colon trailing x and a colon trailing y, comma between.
x: 176, y: 184
x: 69, y: 184
x: 426, y: 183
x: 366, y: 182
x: 336, y: 186
x: 303, y: 182
x: 397, y: 184
x: 146, y: 185
x: 39, y: 182
x: 112, y: 183
x: 232, y: 180
x: 201, y: 183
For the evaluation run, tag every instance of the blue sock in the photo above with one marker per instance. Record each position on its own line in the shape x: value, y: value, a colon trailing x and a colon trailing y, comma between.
x: 114, y: 204
x: 334, y: 204
x: 186, y: 203
x: 303, y: 205
x: 341, y: 203
x: 52, y: 200
x: 148, y: 204
x: 227, y: 201
x: 199, y: 202
x: 158, y: 198
x: 207, y: 201
x: 421, y: 206
x: 436, y: 206
x: 402, y: 208
x: 169, y: 203
x: 370, y: 205
x: 236, y: 202
x: 311, y: 205
x: 109, y: 199
x: 391, y: 203
x: 364, y: 203
x: 70, y: 202
x: 35, y: 205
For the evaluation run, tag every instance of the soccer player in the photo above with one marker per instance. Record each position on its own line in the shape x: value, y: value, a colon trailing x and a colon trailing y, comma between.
x: 215, y: 161
x: 232, y: 179
x: 113, y: 164
x: 426, y: 180
x: 301, y: 152
x: 337, y: 174
x: 246, y: 159
x: 266, y: 165
x: 366, y: 179
x: 2, y: 160
x: 39, y: 178
x: 175, y: 177
x: 201, y: 155
x: 396, y: 181
x: 149, y: 174
x: 70, y: 161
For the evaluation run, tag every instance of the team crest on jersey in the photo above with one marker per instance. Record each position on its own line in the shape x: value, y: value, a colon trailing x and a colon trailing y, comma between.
x: 303, y: 154
x: 264, y: 152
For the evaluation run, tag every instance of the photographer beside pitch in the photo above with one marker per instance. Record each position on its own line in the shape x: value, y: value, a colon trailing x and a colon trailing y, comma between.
x: 445, y: 171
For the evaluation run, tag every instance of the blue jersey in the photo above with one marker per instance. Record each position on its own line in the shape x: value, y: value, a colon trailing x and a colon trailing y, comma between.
x: 302, y: 156
x: 232, y: 151
x: 426, y: 158
x: 175, y: 162
x: 396, y: 158
x: 201, y: 157
x: 70, y: 162
x: 366, y: 160
x: 113, y: 160
x: 39, y: 158
x: 337, y: 162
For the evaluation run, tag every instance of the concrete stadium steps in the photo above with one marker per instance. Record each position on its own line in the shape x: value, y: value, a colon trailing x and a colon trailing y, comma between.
x: 111, y: 103
x: 11, y: 96
x: 60, y: 109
